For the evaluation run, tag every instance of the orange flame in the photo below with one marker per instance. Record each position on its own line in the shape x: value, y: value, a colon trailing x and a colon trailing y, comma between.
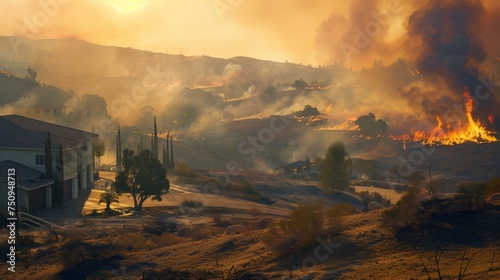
x: 346, y: 125
x: 473, y: 132
x: 329, y: 109
x: 491, y: 119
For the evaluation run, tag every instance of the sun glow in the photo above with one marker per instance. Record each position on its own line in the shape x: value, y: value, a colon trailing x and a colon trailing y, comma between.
x: 126, y: 6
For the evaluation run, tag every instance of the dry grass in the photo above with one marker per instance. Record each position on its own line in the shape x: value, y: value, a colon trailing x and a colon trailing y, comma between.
x: 130, y: 241
x: 167, y: 239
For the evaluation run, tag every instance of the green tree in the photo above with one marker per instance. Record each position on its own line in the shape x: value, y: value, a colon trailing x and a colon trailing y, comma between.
x: 99, y: 147
x: 108, y: 196
x: 300, y: 84
x: 155, y: 140
x: 143, y: 176
x: 371, y: 127
x: 270, y: 91
x: 335, y: 168
x: 31, y: 74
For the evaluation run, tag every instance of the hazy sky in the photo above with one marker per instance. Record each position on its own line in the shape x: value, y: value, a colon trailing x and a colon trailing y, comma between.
x: 275, y: 30
x: 312, y: 31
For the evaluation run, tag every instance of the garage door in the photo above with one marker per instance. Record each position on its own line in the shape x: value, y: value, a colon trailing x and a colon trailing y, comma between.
x: 67, y: 190
x: 37, y: 199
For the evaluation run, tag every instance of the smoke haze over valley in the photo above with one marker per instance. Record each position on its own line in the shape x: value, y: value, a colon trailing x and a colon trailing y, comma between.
x: 384, y: 58
x: 240, y: 113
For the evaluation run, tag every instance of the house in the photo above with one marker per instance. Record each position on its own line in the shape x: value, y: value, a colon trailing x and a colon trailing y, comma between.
x: 300, y: 168
x: 22, y: 142
x: 34, y: 191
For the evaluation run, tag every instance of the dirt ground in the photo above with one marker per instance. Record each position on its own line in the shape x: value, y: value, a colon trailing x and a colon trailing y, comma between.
x: 364, y: 251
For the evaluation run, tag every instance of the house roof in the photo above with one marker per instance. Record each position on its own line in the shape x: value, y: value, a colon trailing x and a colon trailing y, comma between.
x: 297, y: 164
x: 22, y: 132
x: 26, y: 177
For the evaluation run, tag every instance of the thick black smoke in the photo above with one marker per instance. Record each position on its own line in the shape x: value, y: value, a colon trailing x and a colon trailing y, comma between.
x: 450, y: 50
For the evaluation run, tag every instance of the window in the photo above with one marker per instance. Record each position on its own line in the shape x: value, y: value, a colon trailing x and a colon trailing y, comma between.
x: 40, y: 160
x: 69, y: 157
x: 85, y: 148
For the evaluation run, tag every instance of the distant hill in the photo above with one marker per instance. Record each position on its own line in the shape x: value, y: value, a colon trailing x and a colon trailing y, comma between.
x: 14, y: 89
x: 71, y: 63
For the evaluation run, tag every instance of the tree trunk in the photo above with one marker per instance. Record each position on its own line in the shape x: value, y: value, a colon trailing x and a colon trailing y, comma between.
x: 141, y: 201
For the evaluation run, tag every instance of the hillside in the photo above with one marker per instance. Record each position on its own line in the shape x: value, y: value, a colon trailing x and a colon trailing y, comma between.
x: 364, y: 251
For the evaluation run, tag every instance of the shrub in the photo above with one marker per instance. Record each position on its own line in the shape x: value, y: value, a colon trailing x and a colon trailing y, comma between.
x: 335, y: 218
x: 493, y: 186
x: 373, y: 196
x: 191, y: 206
x: 260, y: 224
x: 182, y: 169
x: 168, y: 239
x: 52, y: 235
x: 471, y: 196
x: 404, y: 214
x: 191, y: 203
x: 297, y: 233
x: 254, y: 211
x: 401, y: 188
x: 201, y: 233
x: 158, y: 227
x: 130, y: 241
x: 25, y: 241
x: 73, y: 252
x: 219, y: 221
x: 81, y: 256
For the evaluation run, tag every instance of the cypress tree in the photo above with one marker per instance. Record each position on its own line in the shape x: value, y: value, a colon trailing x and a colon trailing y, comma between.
x: 59, y: 178
x: 164, y: 158
x: 167, y: 153
x: 118, y: 151
x: 152, y: 145
x: 155, y: 140
x: 49, y: 172
x: 172, y: 164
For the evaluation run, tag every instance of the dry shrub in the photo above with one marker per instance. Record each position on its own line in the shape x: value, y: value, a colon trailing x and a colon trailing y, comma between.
x: 260, y: 224
x: 335, y: 222
x: 297, y: 233
x: 130, y: 241
x: 375, y: 196
x: 201, y: 233
x: 192, y: 203
x: 52, y: 235
x: 81, y: 256
x: 493, y: 186
x: 73, y: 252
x: 168, y: 239
x: 404, y: 214
x: 158, y: 227
x: 470, y: 201
x: 254, y: 211
x: 219, y: 221
x: 182, y: 169
x: 471, y: 196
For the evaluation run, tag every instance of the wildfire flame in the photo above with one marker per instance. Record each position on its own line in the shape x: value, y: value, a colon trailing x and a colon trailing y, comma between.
x: 473, y: 132
x: 491, y: 119
x: 346, y: 125
x: 329, y: 109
